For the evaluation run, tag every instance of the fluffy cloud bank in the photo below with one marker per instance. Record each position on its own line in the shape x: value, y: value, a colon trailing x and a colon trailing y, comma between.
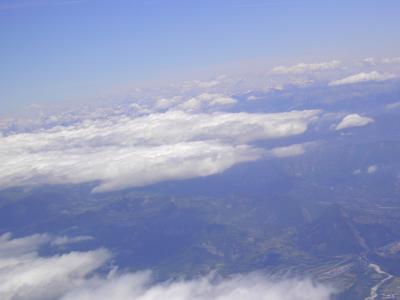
x: 353, y: 120
x: 26, y: 275
x: 238, y: 287
x: 304, y: 68
x: 132, y: 152
x: 362, y: 77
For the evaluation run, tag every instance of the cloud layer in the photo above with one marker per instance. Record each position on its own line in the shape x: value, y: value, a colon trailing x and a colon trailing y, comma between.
x: 26, y: 275
x: 137, y: 151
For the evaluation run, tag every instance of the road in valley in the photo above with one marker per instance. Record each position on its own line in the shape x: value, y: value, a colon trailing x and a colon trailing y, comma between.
x: 374, y: 290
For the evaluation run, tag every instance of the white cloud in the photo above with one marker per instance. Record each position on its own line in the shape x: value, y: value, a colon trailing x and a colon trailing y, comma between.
x: 368, y: 170
x: 304, y: 68
x: 130, y: 152
x: 362, y: 77
x: 206, y: 101
x: 287, y: 151
x: 28, y: 276
x: 392, y: 60
x: 166, y: 103
x: 353, y: 120
x: 203, y: 102
x: 372, y: 169
x: 255, y: 287
x: 15, y: 247
x: 252, y: 98
x: 65, y: 240
x: 118, y: 168
x: 375, y: 61
x: 369, y: 61
x: 21, y: 246
x: 207, y: 84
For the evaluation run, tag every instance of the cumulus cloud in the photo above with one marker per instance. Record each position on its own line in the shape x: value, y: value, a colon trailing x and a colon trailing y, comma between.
x: 206, y: 101
x: 375, y: 62
x: 369, y: 61
x: 166, y: 103
x: 391, y: 60
x: 238, y: 287
x: 287, y: 151
x: 353, y: 120
x: 368, y: 170
x: 16, y: 247
x: 200, y: 103
x: 304, y: 68
x: 27, y: 275
x: 20, y: 246
x: 207, y: 84
x: 362, y: 77
x: 132, y: 152
x: 372, y: 169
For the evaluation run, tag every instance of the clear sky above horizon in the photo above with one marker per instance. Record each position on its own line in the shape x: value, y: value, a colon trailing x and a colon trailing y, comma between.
x: 75, y: 49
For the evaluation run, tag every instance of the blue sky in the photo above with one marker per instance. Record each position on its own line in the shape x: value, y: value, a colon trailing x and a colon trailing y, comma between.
x: 54, y: 51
